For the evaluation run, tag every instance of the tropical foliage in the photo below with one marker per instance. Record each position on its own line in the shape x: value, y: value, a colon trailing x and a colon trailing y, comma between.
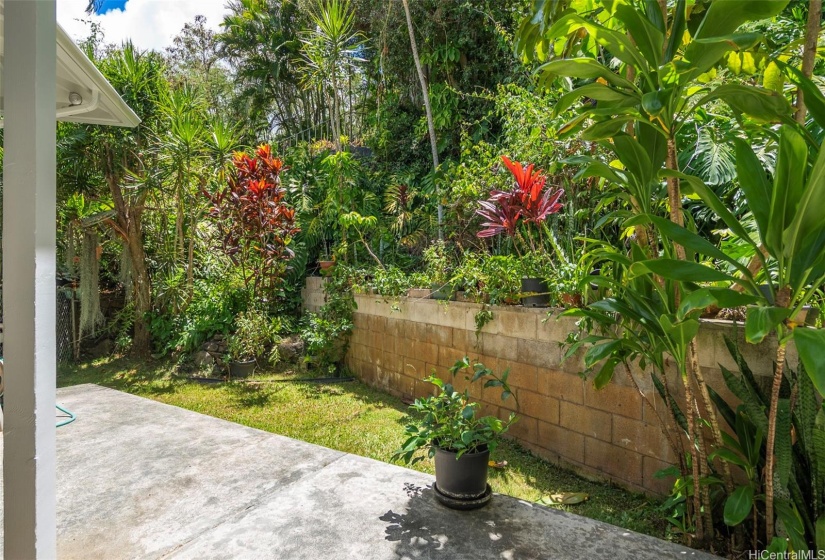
x: 653, y: 162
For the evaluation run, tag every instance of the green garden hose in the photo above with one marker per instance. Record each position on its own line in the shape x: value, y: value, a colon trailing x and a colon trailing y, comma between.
x: 68, y: 420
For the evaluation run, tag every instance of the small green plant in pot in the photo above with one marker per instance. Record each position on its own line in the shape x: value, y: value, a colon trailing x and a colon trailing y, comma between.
x: 253, y: 333
x: 459, y: 440
x: 439, y: 271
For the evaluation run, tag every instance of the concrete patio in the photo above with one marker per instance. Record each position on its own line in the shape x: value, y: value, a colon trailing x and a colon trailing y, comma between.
x: 140, y: 479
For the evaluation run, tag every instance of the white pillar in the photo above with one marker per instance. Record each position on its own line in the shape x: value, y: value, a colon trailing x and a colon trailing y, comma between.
x: 29, y: 279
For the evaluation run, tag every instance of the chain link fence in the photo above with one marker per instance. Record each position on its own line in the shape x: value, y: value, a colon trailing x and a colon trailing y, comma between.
x: 66, y: 332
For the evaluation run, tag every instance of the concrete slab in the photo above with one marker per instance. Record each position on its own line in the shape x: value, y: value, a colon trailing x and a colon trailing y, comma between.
x: 141, y: 479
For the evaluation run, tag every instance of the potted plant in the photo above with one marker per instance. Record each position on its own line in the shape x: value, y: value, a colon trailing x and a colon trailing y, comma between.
x: 520, y: 213
x: 460, y: 442
x: 536, y: 268
x: 439, y: 271
x: 253, y: 333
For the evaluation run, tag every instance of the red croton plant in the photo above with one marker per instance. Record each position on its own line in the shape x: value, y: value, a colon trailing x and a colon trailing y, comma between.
x: 530, y: 201
x: 255, y: 223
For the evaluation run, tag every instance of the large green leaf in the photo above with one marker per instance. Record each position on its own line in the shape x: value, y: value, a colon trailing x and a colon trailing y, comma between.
x: 689, y: 240
x: 618, y: 44
x: 600, y: 92
x: 677, y: 30
x: 599, y: 352
x: 607, y: 129
x: 788, y: 190
x: 583, y: 68
x: 654, y: 143
x: 681, y: 332
x: 759, y: 103
x: 761, y: 321
x: 710, y: 198
x: 725, y: 16
x: 810, y: 344
x: 703, y: 54
x: 754, y: 183
x: 705, y: 297
x: 685, y: 271
x: 605, y: 373
x: 648, y: 39
x: 807, y: 215
x: 738, y: 505
x: 633, y: 157
x: 814, y: 100
x: 788, y: 514
x: 657, y: 102
x: 713, y: 159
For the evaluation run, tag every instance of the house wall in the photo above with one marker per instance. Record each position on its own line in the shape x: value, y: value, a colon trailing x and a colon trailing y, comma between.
x: 613, y: 433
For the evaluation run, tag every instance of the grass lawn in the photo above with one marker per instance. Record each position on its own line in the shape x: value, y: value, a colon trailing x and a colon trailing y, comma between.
x: 354, y: 418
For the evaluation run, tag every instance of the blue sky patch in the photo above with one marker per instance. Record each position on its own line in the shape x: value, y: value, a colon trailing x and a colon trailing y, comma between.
x: 109, y: 5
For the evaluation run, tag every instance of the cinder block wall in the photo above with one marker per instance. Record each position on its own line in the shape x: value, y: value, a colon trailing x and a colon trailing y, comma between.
x: 612, y: 433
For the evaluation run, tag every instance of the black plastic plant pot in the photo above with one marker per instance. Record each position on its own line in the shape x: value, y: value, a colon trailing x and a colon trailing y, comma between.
x: 241, y: 369
x: 539, y: 289
x: 463, y: 479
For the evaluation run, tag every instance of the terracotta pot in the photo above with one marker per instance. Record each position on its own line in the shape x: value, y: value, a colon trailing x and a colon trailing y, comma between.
x: 571, y: 300
x: 326, y: 267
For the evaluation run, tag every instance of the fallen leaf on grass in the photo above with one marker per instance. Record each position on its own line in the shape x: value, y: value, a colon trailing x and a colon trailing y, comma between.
x: 497, y: 464
x: 565, y: 498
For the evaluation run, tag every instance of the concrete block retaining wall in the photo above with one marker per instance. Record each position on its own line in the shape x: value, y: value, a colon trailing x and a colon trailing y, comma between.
x: 612, y: 433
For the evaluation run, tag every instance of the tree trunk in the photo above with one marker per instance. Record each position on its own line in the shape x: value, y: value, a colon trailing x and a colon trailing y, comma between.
x: 693, y: 433
x: 809, y: 53
x: 427, y: 107
x: 130, y: 228
x: 770, y: 463
x: 782, y: 300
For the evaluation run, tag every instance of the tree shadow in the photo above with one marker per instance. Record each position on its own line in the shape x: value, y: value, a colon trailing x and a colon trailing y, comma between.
x: 251, y: 395
x: 430, y: 530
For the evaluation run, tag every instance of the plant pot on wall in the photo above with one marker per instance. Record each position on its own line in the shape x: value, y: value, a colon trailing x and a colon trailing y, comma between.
x: 462, y: 483
x: 326, y: 267
x: 571, y: 300
x: 443, y: 292
x: 242, y: 368
x: 539, y: 292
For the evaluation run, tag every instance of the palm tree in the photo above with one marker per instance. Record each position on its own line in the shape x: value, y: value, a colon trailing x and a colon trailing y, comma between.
x: 331, y: 51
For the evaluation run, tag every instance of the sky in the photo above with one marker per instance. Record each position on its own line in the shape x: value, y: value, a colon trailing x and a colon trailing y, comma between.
x: 151, y: 24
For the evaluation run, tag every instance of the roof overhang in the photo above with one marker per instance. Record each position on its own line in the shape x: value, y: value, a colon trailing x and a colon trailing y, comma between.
x: 83, y: 94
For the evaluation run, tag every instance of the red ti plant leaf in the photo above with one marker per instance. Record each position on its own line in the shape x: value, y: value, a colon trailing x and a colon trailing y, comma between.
x: 529, y: 201
x: 255, y: 223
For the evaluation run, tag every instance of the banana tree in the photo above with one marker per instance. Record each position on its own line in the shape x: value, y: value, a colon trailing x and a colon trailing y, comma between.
x: 791, y: 234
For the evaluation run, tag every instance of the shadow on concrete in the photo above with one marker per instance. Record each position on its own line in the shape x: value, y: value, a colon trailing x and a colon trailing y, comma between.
x: 430, y: 530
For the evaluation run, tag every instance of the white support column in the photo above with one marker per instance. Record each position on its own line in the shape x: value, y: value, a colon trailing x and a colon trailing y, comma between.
x: 29, y: 279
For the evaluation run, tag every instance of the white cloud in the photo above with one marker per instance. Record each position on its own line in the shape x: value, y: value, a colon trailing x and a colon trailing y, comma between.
x: 150, y: 24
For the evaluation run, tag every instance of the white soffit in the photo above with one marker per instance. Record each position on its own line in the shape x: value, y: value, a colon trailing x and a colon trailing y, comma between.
x: 83, y: 94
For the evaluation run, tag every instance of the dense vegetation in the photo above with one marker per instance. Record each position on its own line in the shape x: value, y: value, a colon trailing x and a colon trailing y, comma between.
x: 650, y: 161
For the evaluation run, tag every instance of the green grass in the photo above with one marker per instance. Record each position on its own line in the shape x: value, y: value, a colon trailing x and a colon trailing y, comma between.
x: 354, y: 418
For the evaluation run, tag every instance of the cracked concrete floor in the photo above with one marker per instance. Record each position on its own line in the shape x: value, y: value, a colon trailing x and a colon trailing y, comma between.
x: 141, y: 479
